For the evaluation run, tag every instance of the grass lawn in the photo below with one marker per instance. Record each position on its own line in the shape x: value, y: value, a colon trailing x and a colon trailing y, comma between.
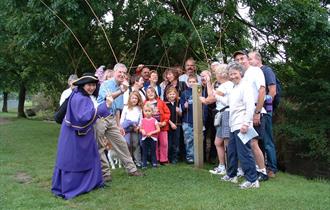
x: 27, y: 156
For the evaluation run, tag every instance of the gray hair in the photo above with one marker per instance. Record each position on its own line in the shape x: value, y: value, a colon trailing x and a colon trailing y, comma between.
x: 119, y: 66
x: 215, y: 63
x: 256, y: 54
x: 72, y: 78
x: 222, y: 70
x: 236, y: 66
x: 207, y: 72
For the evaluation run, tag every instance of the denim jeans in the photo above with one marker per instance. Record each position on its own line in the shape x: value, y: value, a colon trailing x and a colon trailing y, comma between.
x: 268, y: 141
x: 236, y: 150
x: 188, y: 133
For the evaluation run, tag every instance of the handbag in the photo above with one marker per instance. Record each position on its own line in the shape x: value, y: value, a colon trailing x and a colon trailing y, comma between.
x: 217, y: 116
x: 60, y: 114
x: 217, y: 119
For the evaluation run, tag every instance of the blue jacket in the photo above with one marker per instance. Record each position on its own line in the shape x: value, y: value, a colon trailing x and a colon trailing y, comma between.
x: 187, y: 113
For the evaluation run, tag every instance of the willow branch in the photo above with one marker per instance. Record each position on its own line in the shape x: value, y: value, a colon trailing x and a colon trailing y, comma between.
x: 113, y: 52
x: 90, y: 60
x: 200, y: 39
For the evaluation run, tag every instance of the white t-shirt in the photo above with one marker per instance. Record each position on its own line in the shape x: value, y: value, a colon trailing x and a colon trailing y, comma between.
x: 127, y: 92
x: 93, y: 98
x: 256, y: 79
x: 134, y: 114
x: 65, y: 94
x: 222, y: 101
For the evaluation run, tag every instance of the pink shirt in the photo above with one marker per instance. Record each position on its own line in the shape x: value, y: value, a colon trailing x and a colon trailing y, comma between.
x: 149, y: 125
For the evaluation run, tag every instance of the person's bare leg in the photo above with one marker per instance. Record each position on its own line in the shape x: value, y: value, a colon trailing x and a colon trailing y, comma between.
x: 258, y: 156
x: 219, y: 145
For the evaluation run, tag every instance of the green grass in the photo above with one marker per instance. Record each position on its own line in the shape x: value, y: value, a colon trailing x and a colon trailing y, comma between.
x: 27, y: 156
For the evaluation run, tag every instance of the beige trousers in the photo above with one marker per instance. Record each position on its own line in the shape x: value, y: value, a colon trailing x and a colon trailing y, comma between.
x: 107, y: 127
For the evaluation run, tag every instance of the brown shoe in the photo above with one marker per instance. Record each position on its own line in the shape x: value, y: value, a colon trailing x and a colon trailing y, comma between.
x: 135, y: 173
x: 107, y: 178
x: 271, y: 174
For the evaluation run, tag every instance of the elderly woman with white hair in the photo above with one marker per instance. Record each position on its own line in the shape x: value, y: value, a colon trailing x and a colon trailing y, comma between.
x: 221, y: 123
x: 241, y: 108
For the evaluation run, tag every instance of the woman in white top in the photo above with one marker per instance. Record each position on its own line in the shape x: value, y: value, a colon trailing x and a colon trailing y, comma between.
x: 241, y: 107
x: 221, y: 94
x: 136, y: 85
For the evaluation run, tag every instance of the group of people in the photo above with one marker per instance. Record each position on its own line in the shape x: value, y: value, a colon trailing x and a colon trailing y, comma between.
x: 146, y: 121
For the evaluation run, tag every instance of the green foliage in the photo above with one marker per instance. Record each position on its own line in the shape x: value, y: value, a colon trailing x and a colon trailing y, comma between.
x: 299, y: 32
x: 303, y: 128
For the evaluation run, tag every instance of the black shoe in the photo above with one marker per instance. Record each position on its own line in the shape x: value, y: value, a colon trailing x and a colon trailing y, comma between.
x: 262, y: 177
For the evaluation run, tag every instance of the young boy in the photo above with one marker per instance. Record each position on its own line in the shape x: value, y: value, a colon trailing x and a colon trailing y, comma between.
x: 186, y: 102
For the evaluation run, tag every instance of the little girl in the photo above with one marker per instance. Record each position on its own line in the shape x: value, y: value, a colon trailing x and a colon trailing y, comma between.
x: 162, y: 114
x: 172, y: 96
x: 131, y: 117
x: 149, y: 129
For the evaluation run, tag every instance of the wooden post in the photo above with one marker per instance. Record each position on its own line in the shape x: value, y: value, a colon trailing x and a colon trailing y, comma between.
x: 198, y: 126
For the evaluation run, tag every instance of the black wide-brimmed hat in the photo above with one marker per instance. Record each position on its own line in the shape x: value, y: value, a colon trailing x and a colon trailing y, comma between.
x: 85, y: 79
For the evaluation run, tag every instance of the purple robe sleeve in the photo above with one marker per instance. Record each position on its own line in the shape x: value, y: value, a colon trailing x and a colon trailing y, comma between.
x: 81, y: 113
x: 102, y: 110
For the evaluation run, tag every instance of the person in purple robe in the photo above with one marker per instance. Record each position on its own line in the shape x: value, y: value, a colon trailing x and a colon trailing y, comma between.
x: 78, y: 169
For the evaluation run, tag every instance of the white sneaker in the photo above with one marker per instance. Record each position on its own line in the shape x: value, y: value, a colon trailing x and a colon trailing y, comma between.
x: 220, y: 170
x: 240, y: 172
x: 226, y: 178
x: 247, y: 185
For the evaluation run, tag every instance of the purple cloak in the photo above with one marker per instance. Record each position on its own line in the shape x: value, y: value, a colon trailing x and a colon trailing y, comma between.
x: 78, y: 168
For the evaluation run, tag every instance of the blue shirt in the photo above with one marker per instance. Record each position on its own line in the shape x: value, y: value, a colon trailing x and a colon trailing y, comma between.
x: 270, y: 77
x: 111, y: 86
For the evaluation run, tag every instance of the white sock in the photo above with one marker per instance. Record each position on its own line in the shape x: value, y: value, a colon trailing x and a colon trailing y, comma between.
x: 221, y: 165
x: 263, y: 170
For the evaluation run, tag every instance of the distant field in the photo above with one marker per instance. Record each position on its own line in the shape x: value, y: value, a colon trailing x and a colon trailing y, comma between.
x: 13, y: 104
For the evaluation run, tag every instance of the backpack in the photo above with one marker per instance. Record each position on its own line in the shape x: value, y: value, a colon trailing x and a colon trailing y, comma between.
x: 277, y: 97
x: 60, y: 114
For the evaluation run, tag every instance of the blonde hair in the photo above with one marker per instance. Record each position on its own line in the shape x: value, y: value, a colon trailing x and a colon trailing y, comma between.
x: 172, y: 89
x: 222, y: 71
x: 153, y: 90
x: 139, y: 103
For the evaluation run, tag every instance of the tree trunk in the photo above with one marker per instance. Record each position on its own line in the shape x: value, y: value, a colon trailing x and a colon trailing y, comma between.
x: 5, y: 102
x: 21, y: 101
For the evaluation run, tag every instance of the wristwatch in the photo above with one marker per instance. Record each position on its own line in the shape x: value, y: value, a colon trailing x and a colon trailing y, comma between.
x: 257, y: 112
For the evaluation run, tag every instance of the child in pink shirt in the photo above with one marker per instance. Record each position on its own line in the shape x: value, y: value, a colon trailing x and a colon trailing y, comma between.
x: 149, y: 129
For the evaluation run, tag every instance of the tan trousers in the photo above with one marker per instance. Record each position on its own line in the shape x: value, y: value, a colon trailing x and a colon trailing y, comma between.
x: 107, y: 127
